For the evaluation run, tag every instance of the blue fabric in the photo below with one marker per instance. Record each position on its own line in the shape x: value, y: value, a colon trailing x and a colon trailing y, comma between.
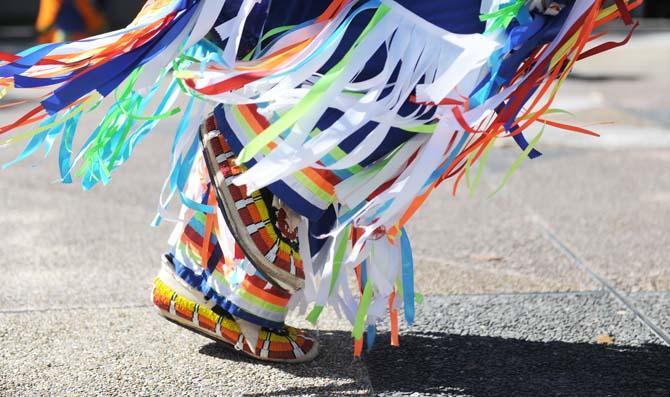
x: 457, y: 16
x: 253, y: 28
x: 407, y: 277
x: 294, y: 12
x: 69, y: 18
x: 28, y: 59
x: 321, y: 227
x: 21, y: 81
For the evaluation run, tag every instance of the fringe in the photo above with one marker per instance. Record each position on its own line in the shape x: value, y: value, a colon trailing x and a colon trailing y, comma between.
x: 467, y: 91
x: 128, y: 66
x: 473, y: 104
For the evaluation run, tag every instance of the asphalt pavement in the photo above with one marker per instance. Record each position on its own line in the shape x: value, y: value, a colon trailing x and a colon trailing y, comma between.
x: 557, y: 285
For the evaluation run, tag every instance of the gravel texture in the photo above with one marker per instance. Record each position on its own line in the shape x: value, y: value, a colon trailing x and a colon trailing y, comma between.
x: 133, y: 351
x: 522, y: 345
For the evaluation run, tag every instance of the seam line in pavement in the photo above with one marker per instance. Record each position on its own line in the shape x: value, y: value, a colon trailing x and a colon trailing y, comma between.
x: 454, y: 296
x: 73, y: 308
x: 521, y: 294
x: 647, y: 294
x: 367, y: 381
x: 583, y: 265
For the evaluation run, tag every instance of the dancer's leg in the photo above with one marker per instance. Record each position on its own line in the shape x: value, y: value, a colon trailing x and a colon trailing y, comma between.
x: 208, y: 285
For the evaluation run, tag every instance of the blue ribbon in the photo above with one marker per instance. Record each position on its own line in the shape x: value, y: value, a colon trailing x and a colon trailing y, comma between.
x: 35, y: 142
x: 407, y: 277
x: 119, y: 68
x: 65, y: 151
x: 29, y: 59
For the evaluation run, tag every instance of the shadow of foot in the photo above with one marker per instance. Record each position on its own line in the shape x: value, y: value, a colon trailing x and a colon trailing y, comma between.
x: 345, y: 376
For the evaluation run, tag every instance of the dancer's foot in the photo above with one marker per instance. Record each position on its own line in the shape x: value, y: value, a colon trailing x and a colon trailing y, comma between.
x: 264, y: 231
x: 185, y: 306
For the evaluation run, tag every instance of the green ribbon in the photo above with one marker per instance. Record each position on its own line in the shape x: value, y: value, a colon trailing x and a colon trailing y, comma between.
x: 272, y: 32
x: 339, y: 258
x: 314, y: 315
x: 517, y: 163
x: 422, y: 128
x: 362, y: 312
x: 504, y: 16
x: 480, y: 168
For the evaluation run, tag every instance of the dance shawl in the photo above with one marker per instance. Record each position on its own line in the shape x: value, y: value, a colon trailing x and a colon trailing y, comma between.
x: 454, y: 76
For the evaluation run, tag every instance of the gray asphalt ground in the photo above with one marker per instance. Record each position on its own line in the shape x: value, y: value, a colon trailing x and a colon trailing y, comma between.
x: 558, y: 285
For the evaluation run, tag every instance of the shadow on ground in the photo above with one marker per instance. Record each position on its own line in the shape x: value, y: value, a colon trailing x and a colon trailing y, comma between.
x: 603, y: 78
x: 434, y: 363
x: 440, y: 363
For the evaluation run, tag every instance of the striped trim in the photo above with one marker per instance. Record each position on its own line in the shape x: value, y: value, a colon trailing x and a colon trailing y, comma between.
x: 316, y: 186
x: 285, y: 345
x: 289, y: 190
x: 274, y: 251
x: 216, y: 288
x: 224, y: 279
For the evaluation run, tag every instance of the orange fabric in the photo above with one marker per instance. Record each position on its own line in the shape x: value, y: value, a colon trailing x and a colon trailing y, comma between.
x: 318, y: 179
x: 395, y: 333
x: 277, y: 58
x: 49, y: 11
x: 276, y: 346
x: 249, y: 115
x: 358, y: 348
x: 331, y: 11
x: 48, y: 14
x: 569, y: 127
x: 255, y: 291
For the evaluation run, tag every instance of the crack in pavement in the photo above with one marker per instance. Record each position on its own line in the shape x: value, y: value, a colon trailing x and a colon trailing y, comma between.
x: 582, y: 264
x: 563, y: 247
